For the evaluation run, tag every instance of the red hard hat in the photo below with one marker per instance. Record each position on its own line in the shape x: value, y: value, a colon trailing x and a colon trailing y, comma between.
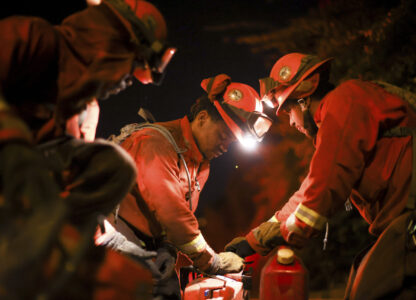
x: 290, y: 76
x: 239, y: 106
x: 150, y: 16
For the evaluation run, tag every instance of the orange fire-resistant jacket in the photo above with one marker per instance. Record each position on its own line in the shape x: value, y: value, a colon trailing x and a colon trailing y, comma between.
x: 352, y: 161
x: 162, y: 185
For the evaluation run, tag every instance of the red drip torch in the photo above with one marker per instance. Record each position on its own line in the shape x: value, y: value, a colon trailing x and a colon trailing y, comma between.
x: 284, y: 277
x: 215, y: 287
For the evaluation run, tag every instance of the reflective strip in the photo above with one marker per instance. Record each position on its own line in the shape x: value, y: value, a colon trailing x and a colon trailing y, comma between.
x: 196, y: 245
x: 291, y: 225
x: 273, y: 219
x: 310, y: 217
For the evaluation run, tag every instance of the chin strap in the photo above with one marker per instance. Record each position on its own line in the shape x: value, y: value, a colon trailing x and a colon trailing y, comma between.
x: 308, y: 121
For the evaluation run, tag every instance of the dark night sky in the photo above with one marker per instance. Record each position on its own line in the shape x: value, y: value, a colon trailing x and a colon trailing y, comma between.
x: 200, y: 30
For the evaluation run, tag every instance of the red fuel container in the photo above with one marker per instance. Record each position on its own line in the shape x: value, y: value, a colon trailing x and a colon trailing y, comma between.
x: 284, y: 277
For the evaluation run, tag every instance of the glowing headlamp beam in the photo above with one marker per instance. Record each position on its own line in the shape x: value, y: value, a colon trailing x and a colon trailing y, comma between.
x: 248, y: 143
x: 266, y: 100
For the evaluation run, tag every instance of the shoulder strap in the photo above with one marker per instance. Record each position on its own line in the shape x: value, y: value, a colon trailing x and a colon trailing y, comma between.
x: 129, y: 129
x: 399, y: 132
x: 406, y: 95
x: 165, y: 132
x: 410, y: 98
x: 402, y: 132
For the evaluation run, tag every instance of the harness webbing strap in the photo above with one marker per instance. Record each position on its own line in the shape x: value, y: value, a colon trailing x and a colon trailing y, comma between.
x: 402, y: 132
x: 131, y: 128
x: 399, y: 132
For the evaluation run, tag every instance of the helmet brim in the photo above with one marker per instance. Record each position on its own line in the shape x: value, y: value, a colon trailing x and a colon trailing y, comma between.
x: 231, y: 124
x: 283, y: 94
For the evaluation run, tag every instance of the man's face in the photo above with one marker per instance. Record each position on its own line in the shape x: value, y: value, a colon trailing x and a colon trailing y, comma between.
x: 294, y: 111
x: 213, y: 137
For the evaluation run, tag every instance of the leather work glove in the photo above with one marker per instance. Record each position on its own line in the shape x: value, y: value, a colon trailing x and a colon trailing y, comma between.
x: 167, y: 285
x: 266, y: 237
x: 115, y: 240
x: 226, y: 262
x: 240, y: 246
x: 166, y: 260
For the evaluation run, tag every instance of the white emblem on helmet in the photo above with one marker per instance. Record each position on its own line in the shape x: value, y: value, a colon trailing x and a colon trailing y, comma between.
x: 285, y: 73
x: 235, y: 94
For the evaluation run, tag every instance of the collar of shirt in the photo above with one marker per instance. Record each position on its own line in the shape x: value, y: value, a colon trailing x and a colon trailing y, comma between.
x: 318, y: 117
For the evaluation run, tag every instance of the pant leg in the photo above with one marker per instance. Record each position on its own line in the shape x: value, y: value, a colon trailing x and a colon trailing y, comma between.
x: 353, y: 271
x: 384, y: 271
x: 407, y: 292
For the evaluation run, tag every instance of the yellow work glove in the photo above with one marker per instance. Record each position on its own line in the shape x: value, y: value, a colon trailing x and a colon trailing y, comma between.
x: 240, y: 246
x: 226, y: 262
x: 266, y: 237
x: 268, y: 234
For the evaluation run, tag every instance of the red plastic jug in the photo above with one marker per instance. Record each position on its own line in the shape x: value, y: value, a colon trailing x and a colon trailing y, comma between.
x: 284, y: 277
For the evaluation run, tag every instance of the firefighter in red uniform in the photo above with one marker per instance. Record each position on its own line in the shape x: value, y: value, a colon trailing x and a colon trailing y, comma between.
x: 159, y: 212
x: 363, y: 140
x: 48, y: 74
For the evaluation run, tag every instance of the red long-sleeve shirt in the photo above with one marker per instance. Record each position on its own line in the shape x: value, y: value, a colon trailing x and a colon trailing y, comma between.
x: 352, y: 161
